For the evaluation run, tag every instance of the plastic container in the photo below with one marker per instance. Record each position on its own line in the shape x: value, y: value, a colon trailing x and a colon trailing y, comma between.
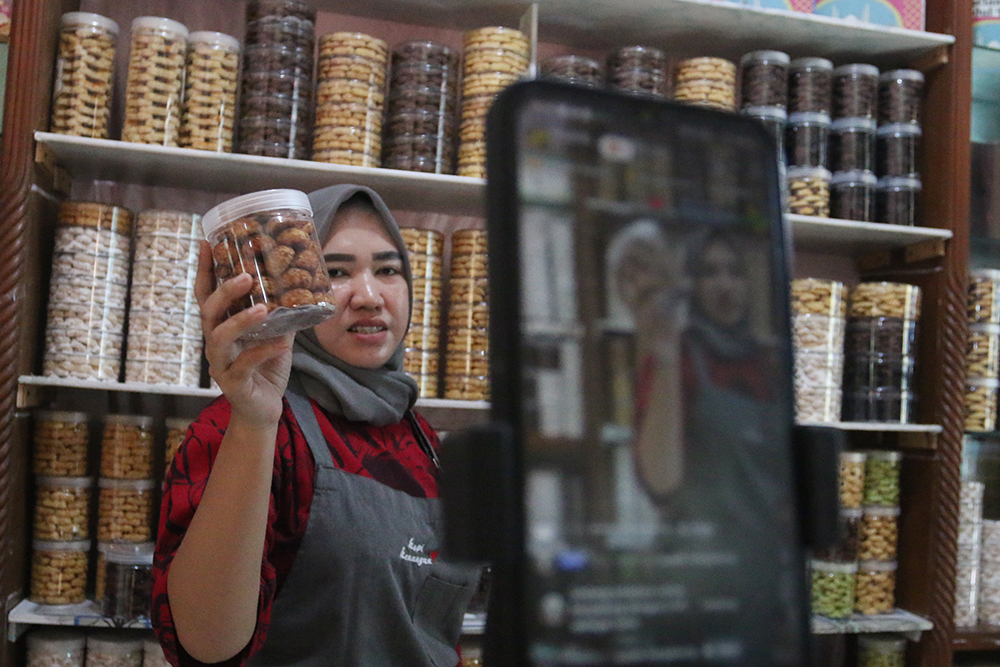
x: 257, y: 9
x: 271, y: 236
x: 764, y: 79
x: 176, y: 432
x: 896, y: 150
x: 884, y: 371
x: 855, y: 91
x: 425, y: 53
x: 880, y: 335
x: 433, y: 109
x: 845, y: 550
x: 984, y: 296
x: 900, y: 96
x: 154, y: 93
x: 881, y: 651
x: 152, y: 654
x: 421, y: 362
x: 808, y: 138
x: 579, y: 70
x: 423, y: 241
x: 852, y: 195
x: 809, y: 191
x: 128, y: 582
x: 815, y: 296
x: 775, y: 119
x: 59, y: 572
x: 896, y: 201
x: 879, y: 405
x: 467, y: 388
x: 885, y: 299
x: 810, y: 85
x: 833, y: 588
x: 981, y: 397
x: 110, y: 648
x: 982, y: 351
x: 56, y: 647
x: 878, y: 533
x: 629, y: 57
x: 444, y: 78
x: 818, y: 333
x: 125, y: 510
x: 81, y: 95
x: 60, y: 444
x: 707, y: 82
x: 852, y: 144
x: 818, y: 403
x: 882, y: 478
x: 62, y: 508
x: 852, y: 479
x: 875, y: 591
x: 127, y: 447
x: 211, y: 79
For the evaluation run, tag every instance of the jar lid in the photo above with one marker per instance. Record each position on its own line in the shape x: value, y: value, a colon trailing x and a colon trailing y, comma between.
x: 882, y: 642
x: 129, y: 554
x: 873, y: 510
x: 766, y: 113
x: 877, y: 566
x: 88, y: 18
x: 177, y: 423
x: 837, y: 568
x: 853, y: 457
x: 812, y: 63
x: 255, y: 202
x: 128, y: 484
x: 856, y: 68
x: 113, y: 642
x: 765, y: 57
x: 863, y: 177
x: 842, y: 124
x: 851, y: 513
x: 988, y: 329
x: 808, y: 172
x: 990, y: 274
x: 58, y: 639
x: 59, y: 416
x: 159, y: 23
x: 991, y: 383
x: 214, y: 38
x: 71, y: 545
x: 899, y: 183
x: 809, y: 118
x: 129, y: 420
x: 65, y: 482
x: 884, y: 455
x: 900, y: 129
x: 896, y: 74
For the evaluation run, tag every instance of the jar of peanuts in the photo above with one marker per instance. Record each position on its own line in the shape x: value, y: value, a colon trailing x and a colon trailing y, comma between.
x: 878, y: 534
x: 60, y: 444
x: 56, y: 647
x: 59, y: 572
x: 881, y: 650
x: 111, y: 648
x: 127, y: 447
x: 125, y: 510
x: 875, y: 590
x: 62, y: 508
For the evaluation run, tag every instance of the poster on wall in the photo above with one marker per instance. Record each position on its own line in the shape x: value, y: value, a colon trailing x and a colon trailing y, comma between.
x: 6, y: 10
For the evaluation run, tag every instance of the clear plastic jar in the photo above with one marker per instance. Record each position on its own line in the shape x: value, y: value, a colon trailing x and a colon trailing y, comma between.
x: 852, y: 144
x: 59, y: 572
x: 271, y: 236
x: 128, y: 589
x: 984, y: 296
x: 296, y: 9
x: 855, y: 91
x: 707, y: 82
x: 101, y: 572
x: 981, y: 398
x: 878, y: 535
x: 109, y: 648
x: 127, y: 447
x: 982, y: 351
x: 764, y: 79
x: 815, y: 296
x: 808, y: 138
x: 629, y: 57
x: 60, y: 444
x: 56, y: 647
x: 176, y: 432
x: 155, y: 91
x: 896, y: 149
x: 125, y: 510
x: 896, y: 200
x: 152, y: 654
x: 422, y: 52
x: 881, y: 651
x: 81, y: 96
x: 883, y: 371
x: 577, y: 70
x: 810, y: 85
x: 852, y: 479
x: 845, y: 550
x: 885, y: 299
x: 882, y: 478
x: 211, y: 79
x: 833, y: 588
x: 852, y: 195
x: 809, y: 191
x: 775, y: 119
x: 818, y: 333
x: 900, y: 96
x: 62, y: 508
x: 879, y: 404
x: 875, y: 590
x: 818, y: 404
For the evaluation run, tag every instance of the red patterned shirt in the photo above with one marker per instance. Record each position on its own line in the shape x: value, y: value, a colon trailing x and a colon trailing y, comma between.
x: 389, y: 454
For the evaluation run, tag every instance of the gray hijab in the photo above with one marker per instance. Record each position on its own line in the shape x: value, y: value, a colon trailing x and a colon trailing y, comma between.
x: 379, y: 396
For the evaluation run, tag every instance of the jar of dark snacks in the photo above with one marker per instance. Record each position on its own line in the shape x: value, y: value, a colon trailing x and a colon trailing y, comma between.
x: 896, y: 150
x: 578, y: 70
x: 639, y: 69
x: 808, y: 137
x: 852, y: 144
x: 764, y: 79
x: 896, y: 200
x: 845, y: 549
x: 128, y: 581
x: 855, y: 91
x: 852, y: 195
x: 900, y: 93
x: 810, y: 85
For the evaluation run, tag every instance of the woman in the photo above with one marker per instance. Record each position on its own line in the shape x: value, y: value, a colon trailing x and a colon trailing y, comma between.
x: 300, y: 522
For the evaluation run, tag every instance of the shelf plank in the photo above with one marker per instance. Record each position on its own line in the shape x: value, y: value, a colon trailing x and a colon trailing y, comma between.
x: 899, y: 620
x: 878, y: 427
x: 854, y: 237
x: 978, y: 638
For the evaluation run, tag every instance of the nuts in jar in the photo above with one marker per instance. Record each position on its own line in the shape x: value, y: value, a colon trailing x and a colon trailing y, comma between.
x: 881, y: 651
x: 81, y: 97
x: 982, y: 351
x: 62, y: 508
x: 809, y: 191
x: 56, y: 647
x: 884, y: 299
x: 60, y: 444
x: 984, y: 296
x: 107, y: 648
x: 127, y: 447
x: 875, y: 589
x: 878, y: 534
x: 59, y: 572
x: 125, y: 510
x: 981, y: 398
x: 810, y: 85
x: 155, y: 89
x: 833, y: 588
x: 814, y: 296
x: 882, y: 478
x: 852, y: 479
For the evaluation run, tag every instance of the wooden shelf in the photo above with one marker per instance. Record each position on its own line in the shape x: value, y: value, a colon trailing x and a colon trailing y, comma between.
x: 899, y: 620
x: 978, y: 638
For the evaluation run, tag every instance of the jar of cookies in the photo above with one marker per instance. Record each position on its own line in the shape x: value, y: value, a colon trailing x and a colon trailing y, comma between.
x: 896, y: 200
x: 852, y: 144
x: 125, y: 510
x: 60, y: 444
x: 62, y: 508
x: 982, y: 351
x: 810, y: 86
x: 56, y: 647
x: 87, y: 292
x: 984, y: 296
x: 855, y: 91
x: 81, y: 96
x: 467, y: 363
x: 852, y: 195
x: 58, y: 572
x: 154, y: 93
x: 707, y: 82
x: 128, y: 589
x: 176, y: 432
x: 896, y: 149
x: 764, y: 79
x: 852, y: 479
x: 981, y: 396
x: 808, y: 136
x: 426, y: 253
x: 881, y: 650
x: 271, y: 235
x: 211, y: 78
x: 877, y: 536
x: 900, y: 94
x: 127, y: 447
x: 114, y: 648
x: 809, y: 191
x: 639, y: 69
x: 573, y: 69
x: 818, y: 308
x: 875, y: 589
x: 833, y: 588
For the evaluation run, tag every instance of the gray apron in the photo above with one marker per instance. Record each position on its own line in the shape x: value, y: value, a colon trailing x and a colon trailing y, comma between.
x: 366, y: 588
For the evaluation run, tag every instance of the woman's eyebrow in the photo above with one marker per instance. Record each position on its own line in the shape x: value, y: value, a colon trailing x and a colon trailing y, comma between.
x: 387, y: 255
x: 339, y: 257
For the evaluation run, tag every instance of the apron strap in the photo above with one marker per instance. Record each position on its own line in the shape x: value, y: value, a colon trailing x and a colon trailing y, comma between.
x: 306, y: 417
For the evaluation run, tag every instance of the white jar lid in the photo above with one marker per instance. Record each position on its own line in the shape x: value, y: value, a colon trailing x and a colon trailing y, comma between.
x: 851, y: 513
x: 160, y: 24
x: 808, y: 172
x: 985, y: 274
x: 177, y: 423
x: 899, y: 183
x: 872, y: 510
x: 809, y: 118
x: 214, y: 39
x: 884, y: 455
x: 877, y: 566
x: 65, y: 482
x: 812, y: 63
x: 87, y: 18
x: 126, y: 484
x: 975, y: 383
x: 842, y: 124
x: 770, y: 113
x: 853, y: 457
x: 900, y: 129
x: 113, y: 642
x: 863, y: 69
x: 56, y: 639
x: 129, y: 420
x: 835, y: 568
x: 140, y: 553
x: 855, y: 176
x: 59, y: 416
x: 911, y: 74
x: 765, y: 57
x: 255, y: 202
x: 49, y: 545
x: 987, y: 329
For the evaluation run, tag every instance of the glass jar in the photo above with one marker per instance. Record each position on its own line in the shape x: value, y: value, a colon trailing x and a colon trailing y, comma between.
x: 814, y: 296
x: 764, y: 79
x: 882, y: 478
x: 878, y: 534
x: 875, y: 590
x: 810, y: 86
x: 56, y: 647
x: 125, y: 510
x: 855, y: 91
x: 271, y: 236
x: 154, y: 93
x: 809, y: 191
x: 896, y: 150
x: 852, y: 195
x: 833, y: 588
x: 59, y: 572
x: 808, y: 138
x: 127, y: 447
x: 211, y: 79
x: 852, y: 144
x: 900, y: 94
x: 81, y: 96
x: 128, y: 581
x: 881, y: 650
x: 60, y: 444
x: 114, y: 648
x: 62, y: 508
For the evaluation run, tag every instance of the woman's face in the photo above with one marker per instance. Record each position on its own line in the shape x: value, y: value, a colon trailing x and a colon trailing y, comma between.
x: 370, y: 292
x: 640, y: 277
x: 721, y: 288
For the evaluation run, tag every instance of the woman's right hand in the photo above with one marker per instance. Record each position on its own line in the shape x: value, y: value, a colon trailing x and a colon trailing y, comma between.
x: 252, y: 375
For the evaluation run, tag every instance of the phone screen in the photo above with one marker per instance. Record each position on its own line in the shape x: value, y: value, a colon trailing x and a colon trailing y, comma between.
x: 653, y: 388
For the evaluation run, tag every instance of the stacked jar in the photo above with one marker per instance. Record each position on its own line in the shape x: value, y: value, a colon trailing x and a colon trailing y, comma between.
x: 176, y: 432
x: 276, y: 95
x: 111, y: 648
x: 467, y: 362
x: 880, y: 352
x: 154, y: 94
x: 639, y: 69
x: 493, y: 58
x: 212, y: 74
x: 852, y: 142
x: 87, y: 293
x: 818, y: 326
x: 983, y: 351
x: 832, y: 590
x: 422, y: 110
x: 809, y: 102
x: 81, y: 96
x: 575, y: 70
x: 60, y: 444
x: 881, y: 650
x: 900, y: 94
x: 878, y: 534
x: 764, y: 92
x: 152, y: 654
x: 128, y: 582
x: 350, y: 94
x: 705, y: 81
x: 56, y: 647
x: 164, y: 330
x: 970, y: 528
x: 125, y: 506
x: 426, y: 249
x: 989, y: 573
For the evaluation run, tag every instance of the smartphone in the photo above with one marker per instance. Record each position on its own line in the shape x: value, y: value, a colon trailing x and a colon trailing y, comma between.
x: 643, y: 363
